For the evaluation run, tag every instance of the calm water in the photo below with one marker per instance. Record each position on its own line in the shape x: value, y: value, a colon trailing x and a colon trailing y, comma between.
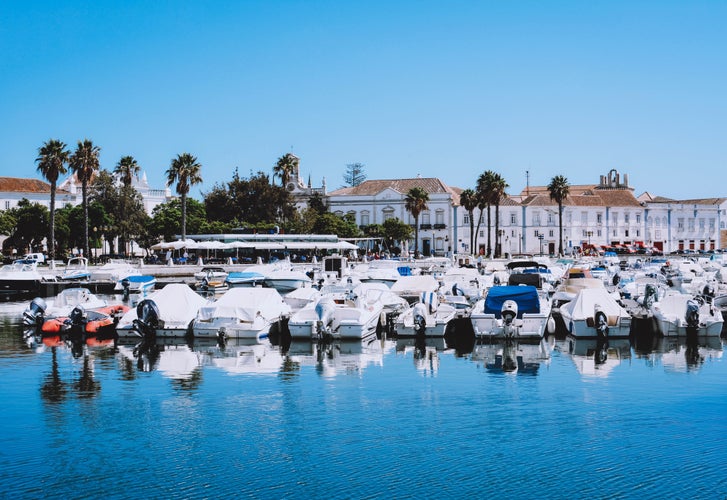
x: 365, y: 420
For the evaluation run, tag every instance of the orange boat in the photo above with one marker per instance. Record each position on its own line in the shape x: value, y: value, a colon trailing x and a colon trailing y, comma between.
x: 95, y: 321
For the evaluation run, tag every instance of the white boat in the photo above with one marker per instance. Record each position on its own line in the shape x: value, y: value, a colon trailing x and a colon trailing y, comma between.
x: 113, y: 271
x: 286, y: 280
x: 244, y: 278
x: 412, y: 287
x: 428, y: 317
x: 679, y: 314
x: 76, y: 270
x: 594, y: 312
x: 512, y: 312
x: 167, y: 312
x: 393, y: 304
x: 212, y: 279
x: 383, y: 271
x: 136, y: 283
x: 21, y: 278
x: 301, y: 297
x: 246, y: 313
x: 342, y: 312
x: 461, y: 287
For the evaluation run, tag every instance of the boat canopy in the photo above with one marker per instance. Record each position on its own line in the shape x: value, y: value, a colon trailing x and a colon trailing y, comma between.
x: 526, y: 298
x: 245, y: 304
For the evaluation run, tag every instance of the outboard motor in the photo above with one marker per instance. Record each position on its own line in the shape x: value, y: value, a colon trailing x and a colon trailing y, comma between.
x: 147, y: 319
x: 649, y: 296
x: 692, y: 315
x: 708, y: 292
x: 509, y: 313
x: 600, y: 321
x: 457, y: 291
x: 324, y: 312
x: 126, y: 287
x: 419, y: 314
x: 34, y: 315
x: 616, y: 279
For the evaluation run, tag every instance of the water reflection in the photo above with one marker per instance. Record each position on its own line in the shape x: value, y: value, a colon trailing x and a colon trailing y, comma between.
x: 338, y: 357
x: 596, y: 357
x: 425, y: 352
x: 678, y: 354
x: 511, y: 356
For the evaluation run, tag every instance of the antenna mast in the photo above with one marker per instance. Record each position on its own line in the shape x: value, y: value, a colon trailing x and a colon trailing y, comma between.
x: 527, y: 183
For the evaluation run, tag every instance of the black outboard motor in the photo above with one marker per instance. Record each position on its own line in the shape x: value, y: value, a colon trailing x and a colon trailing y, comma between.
x: 601, y: 322
x: 457, y: 291
x: 147, y: 320
x: 34, y: 315
x: 420, y: 318
x: 708, y: 293
x: 126, y: 287
x: 650, y: 296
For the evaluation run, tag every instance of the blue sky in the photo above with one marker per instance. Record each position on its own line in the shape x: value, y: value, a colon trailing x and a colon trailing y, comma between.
x: 440, y: 89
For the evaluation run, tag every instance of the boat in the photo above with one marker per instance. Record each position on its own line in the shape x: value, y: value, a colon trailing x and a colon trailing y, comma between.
x: 113, y: 271
x: 167, y: 312
x: 246, y: 313
x: 211, y: 279
x: 512, y: 312
x: 461, y: 287
x: 136, y: 283
x: 393, y: 304
x: 342, y: 312
x: 594, y: 312
x: 286, y: 280
x: 76, y: 270
x: 244, y: 278
x: 383, y: 271
x: 429, y: 317
x: 679, y: 314
x: 73, y: 308
x: 20, y: 279
x: 412, y: 287
x: 301, y: 297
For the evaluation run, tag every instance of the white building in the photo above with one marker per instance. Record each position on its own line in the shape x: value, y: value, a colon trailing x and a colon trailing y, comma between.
x: 374, y: 201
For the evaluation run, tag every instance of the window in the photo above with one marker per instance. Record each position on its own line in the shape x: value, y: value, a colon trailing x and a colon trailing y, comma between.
x: 388, y: 213
x: 584, y: 218
x: 536, y: 218
x: 513, y: 219
x: 439, y: 217
x: 425, y: 218
x: 702, y: 224
x: 466, y: 219
x: 690, y: 224
x: 550, y: 233
x: 638, y: 218
x: 599, y: 233
x: 537, y: 233
x: 614, y: 218
x: 711, y: 223
x: 569, y: 217
x: 7, y: 205
x: 599, y: 218
x: 680, y: 224
x: 551, y: 219
x: 365, y: 219
x: 638, y: 233
x: 626, y: 218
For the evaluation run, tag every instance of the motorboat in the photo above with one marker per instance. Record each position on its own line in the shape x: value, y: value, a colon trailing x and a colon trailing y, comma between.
x: 429, y: 317
x: 244, y: 279
x: 412, y: 287
x: 461, y: 287
x: 20, y: 279
x: 113, y: 271
x: 680, y: 314
x: 286, y: 280
x: 342, y: 312
x: 641, y: 294
x: 167, y: 312
x: 594, y: 312
x: 73, y: 308
x: 383, y: 271
x: 301, y: 297
x: 136, y: 283
x: 247, y: 313
x: 512, y: 312
x: 211, y: 279
x: 393, y: 304
x: 76, y: 270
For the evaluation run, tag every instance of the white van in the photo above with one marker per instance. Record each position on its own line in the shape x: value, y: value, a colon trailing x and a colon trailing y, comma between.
x: 38, y: 257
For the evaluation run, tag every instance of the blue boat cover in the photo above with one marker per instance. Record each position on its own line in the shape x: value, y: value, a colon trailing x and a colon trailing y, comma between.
x: 526, y: 298
x: 404, y: 270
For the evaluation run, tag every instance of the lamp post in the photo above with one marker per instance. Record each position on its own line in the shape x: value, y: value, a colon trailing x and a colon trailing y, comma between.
x: 95, y: 244
x: 540, y: 237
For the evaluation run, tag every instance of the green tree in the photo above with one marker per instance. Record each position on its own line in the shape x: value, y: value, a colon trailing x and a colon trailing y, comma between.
x: 415, y: 202
x: 284, y: 167
x: 84, y: 162
x: 354, y: 174
x: 127, y: 168
x: 468, y: 200
x: 317, y: 203
x: 165, y: 218
x: 52, y: 160
x: 559, y: 189
x: 29, y: 232
x: 343, y: 227
x: 499, y: 187
x: 395, y: 231
x: 185, y: 172
x: 7, y: 222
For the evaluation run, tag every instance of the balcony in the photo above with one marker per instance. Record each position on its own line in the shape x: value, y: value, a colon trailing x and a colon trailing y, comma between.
x: 425, y: 226
x: 440, y: 226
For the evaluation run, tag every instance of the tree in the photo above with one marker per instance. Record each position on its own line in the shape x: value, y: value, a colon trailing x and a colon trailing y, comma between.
x: 84, y: 163
x: 395, y: 230
x: 52, y: 159
x: 484, y: 192
x: 354, y: 174
x: 498, y: 194
x: 31, y: 221
x: 317, y: 203
x: 468, y: 200
x: 185, y: 172
x: 416, y: 202
x: 559, y: 189
x: 284, y: 167
x: 165, y: 218
x: 127, y: 168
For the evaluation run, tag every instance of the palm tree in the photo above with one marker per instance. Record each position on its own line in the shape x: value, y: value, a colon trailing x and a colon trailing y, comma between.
x: 52, y: 159
x: 485, y: 183
x: 84, y: 163
x: 286, y: 165
x: 468, y: 200
x: 559, y: 189
x: 127, y: 168
x: 498, y: 194
x: 416, y: 202
x: 184, y: 170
